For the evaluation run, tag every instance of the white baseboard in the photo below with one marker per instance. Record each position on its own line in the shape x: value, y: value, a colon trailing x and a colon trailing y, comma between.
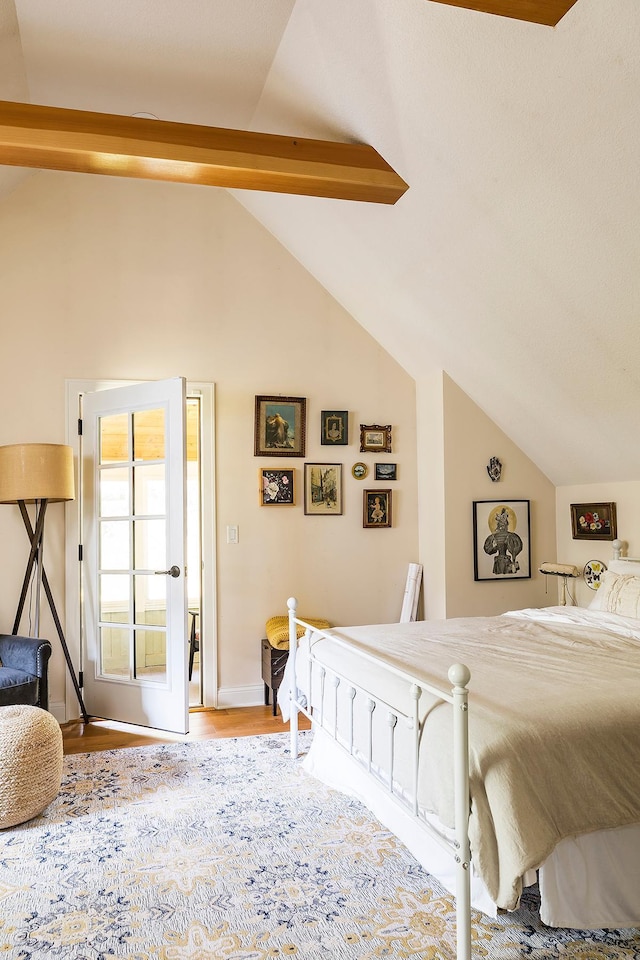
x: 59, y: 711
x: 252, y: 696
x: 241, y: 696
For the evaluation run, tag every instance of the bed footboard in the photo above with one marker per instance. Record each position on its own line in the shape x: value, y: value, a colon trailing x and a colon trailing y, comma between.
x: 381, y: 731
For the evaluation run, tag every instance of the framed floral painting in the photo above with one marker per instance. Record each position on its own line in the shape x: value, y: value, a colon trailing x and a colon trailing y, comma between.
x: 277, y: 487
x: 593, y: 521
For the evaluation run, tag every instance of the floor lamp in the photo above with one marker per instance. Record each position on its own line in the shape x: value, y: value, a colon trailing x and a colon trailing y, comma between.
x: 39, y: 473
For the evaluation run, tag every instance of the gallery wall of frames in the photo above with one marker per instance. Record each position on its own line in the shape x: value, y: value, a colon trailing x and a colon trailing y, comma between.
x: 363, y: 455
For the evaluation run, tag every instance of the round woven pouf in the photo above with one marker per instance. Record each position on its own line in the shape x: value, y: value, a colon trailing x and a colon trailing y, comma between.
x: 30, y: 763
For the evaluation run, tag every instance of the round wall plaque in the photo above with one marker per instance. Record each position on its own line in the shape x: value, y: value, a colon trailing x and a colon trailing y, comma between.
x: 592, y: 573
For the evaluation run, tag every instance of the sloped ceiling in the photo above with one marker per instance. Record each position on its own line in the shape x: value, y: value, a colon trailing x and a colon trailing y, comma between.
x: 512, y: 261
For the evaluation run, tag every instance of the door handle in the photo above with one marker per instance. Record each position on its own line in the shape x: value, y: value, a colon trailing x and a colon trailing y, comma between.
x: 171, y: 572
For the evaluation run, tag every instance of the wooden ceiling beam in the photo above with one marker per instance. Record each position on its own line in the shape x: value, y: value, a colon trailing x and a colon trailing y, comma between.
x: 546, y: 12
x: 80, y: 141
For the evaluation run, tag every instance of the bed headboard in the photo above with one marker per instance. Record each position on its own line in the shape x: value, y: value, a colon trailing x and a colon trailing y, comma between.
x: 625, y: 565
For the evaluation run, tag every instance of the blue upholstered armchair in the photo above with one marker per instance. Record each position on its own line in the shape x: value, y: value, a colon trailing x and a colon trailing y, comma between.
x: 24, y: 671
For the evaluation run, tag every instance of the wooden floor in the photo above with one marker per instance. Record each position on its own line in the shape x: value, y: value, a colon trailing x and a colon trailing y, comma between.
x: 80, y: 737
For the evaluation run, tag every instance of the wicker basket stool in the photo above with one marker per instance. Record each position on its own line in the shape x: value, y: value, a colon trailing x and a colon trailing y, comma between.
x: 30, y: 762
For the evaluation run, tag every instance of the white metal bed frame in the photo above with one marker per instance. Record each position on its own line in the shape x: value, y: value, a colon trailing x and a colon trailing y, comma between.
x: 457, y: 697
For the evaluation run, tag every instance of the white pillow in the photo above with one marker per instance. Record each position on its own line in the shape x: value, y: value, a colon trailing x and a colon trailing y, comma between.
x: 618, y: 593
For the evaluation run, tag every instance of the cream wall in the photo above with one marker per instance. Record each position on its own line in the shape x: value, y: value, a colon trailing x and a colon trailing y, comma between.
x: 118, y: 279
x: 458, y: 457
x: 626, y: 496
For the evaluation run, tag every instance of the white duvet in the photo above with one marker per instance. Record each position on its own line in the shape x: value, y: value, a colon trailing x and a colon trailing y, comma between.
x: 554, y: 721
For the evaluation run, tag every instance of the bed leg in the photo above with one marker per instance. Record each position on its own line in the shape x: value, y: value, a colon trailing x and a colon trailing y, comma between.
x: 459, y: 675
x: 463, y: 913
x: 292, y: 605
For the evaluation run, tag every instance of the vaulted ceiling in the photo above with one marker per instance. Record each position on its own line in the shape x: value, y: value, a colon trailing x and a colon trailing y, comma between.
x: 512, y: 261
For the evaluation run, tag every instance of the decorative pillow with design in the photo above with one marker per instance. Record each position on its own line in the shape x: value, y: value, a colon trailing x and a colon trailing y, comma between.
x: 618, y: 593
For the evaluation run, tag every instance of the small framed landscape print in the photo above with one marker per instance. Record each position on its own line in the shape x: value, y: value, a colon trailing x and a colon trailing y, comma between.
x: 375, y: 438
x: 359, y: 470
x: 335, y: 428
x: 501, y: 540
x: 323, y: 489
x: 386, y: 471
x: 593, y: 521
x: 376, y: 508
x: 280, y: 427
x: 277, y: 487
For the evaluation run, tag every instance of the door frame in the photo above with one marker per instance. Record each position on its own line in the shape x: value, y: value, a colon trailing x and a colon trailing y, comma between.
x: 73, y: 570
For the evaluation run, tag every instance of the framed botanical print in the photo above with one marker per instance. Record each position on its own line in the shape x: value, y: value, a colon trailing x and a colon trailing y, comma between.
x: 277, y: 487
x: 323, y: 489
x: 376, y: 506
x: 375, y: 438
x: 334, y: 428
x: 280, y: 427
x: 501, y: 540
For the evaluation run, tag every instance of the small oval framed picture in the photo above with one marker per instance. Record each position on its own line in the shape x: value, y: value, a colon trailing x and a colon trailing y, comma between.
x: 359, y: 471
x: 386, y: 471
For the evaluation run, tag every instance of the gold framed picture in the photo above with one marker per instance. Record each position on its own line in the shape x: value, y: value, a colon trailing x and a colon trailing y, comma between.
x: 376, y: 508
x: 593, y: 521
x: 280, y: 427
x: 375, y: 438
x: 277, y: 487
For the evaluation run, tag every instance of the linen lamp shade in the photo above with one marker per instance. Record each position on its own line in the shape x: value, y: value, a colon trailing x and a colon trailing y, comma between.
x: 36, y: 471
x: 559, y: 569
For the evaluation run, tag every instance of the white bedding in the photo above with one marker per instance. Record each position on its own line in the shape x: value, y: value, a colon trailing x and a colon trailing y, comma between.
x: 554, y: 692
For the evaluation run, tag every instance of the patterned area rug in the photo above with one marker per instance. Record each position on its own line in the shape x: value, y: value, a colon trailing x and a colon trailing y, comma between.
x: 228, y: 850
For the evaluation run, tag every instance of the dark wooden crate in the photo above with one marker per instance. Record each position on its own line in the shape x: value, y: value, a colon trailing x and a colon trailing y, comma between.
x: 273, y: 664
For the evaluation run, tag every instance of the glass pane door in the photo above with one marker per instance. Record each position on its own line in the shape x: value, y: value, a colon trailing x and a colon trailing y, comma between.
x: 135, y: 604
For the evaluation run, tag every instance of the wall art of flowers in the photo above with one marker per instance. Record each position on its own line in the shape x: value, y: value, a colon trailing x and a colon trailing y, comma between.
x: 277, y: 487
x: 593, y: 521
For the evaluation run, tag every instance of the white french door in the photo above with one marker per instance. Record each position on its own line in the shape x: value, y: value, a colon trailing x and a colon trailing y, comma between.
x: 134, y: 586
